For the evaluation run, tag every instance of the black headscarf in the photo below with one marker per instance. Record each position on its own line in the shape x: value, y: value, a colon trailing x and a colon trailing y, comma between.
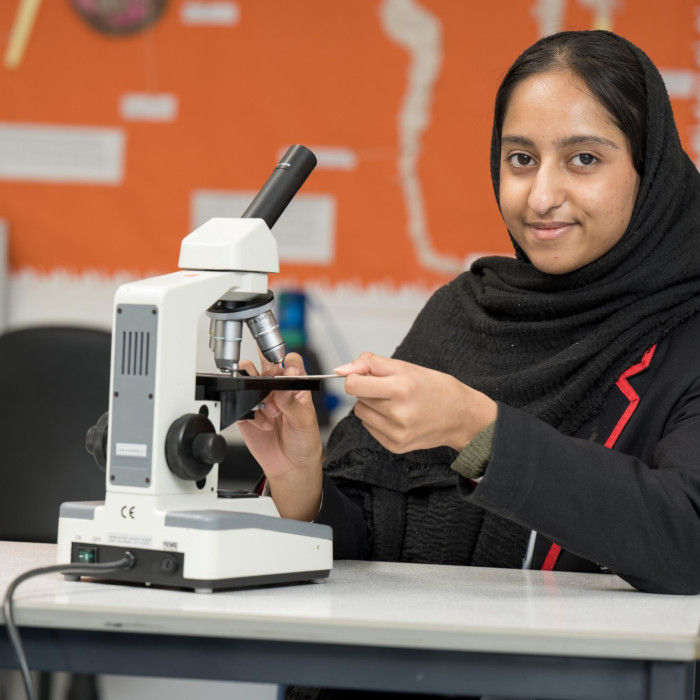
x: 552, y: 345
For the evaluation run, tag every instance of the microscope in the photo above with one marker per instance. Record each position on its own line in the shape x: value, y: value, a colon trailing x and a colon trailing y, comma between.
x: 159, y: 442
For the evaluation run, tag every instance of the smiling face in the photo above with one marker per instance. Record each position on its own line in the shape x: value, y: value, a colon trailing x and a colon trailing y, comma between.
x: 567, y: 181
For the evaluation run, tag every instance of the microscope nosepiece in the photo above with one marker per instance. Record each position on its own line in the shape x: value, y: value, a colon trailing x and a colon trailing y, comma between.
x: 226, y: 326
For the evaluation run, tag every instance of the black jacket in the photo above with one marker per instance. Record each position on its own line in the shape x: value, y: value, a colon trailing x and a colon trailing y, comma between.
x: 633, y: 509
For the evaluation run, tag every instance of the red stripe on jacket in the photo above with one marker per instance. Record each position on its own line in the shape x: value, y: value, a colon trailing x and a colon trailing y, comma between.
x: 626, y: 388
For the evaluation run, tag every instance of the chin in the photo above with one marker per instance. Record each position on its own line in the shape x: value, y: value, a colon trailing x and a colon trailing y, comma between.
x: 554, y: 267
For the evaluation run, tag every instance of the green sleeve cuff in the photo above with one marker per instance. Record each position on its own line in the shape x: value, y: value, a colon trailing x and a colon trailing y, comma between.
x: 471, y: 462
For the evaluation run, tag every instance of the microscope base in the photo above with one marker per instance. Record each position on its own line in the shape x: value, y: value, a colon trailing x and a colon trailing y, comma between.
x: 203, y: 550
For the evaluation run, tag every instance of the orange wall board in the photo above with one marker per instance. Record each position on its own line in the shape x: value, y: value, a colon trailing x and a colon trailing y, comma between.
x: 328, y: 74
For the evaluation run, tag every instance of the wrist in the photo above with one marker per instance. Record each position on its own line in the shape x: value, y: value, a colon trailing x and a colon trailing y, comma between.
x: 479, y: 412
x: 298, y: 495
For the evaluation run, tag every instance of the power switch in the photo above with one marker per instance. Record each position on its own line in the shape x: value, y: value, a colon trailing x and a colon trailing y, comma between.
x: 87, y: 555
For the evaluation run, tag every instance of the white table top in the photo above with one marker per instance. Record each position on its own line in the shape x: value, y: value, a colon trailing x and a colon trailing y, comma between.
x: 381, y: 604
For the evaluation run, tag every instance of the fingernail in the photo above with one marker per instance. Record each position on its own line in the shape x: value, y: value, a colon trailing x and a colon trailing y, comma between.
x: 343, y: 368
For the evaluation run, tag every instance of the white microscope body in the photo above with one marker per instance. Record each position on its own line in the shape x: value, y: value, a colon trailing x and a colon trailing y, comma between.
x: 161, y: 443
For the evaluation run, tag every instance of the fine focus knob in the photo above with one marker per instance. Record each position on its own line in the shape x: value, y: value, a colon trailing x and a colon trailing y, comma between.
x: 209, y: 448
x: 192, y: 447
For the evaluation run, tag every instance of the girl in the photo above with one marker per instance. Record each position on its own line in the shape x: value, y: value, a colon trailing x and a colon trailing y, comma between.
x: 544, y: 410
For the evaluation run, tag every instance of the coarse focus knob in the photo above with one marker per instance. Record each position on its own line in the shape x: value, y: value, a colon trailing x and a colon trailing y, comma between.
x: 192, y: 447
x: 96, y: 441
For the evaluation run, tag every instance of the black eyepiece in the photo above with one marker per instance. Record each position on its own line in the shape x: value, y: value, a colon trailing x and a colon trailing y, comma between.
x: 286, y: 179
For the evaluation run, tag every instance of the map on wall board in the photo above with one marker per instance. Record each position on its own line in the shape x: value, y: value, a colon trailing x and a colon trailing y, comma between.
x: 115, y: 143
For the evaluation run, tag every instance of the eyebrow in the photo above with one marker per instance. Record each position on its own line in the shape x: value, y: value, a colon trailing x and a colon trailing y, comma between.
x: 577, y: 140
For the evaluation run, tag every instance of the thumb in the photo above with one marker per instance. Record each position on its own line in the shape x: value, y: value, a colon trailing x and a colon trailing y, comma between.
x: 368, y: 363
x: 296, y: 406
x: 286, y: 399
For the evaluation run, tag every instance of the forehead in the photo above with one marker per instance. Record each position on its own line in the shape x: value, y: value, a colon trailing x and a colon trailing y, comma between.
x: 557, y: 104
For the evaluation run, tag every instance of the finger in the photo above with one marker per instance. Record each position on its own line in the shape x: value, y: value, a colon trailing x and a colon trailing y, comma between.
x: 286, y: 399
x: 369, y: 363
x: 294, y: 361
x: 249, y: 367
x: 269, y: 369
x: 367, y: 386
x: 385, y: 440
x: 258, y: 422
x: 366, y: 414
x: 293, y: 367
x: 371, y: 413
x: 268, y: 407
x: 359, y: 366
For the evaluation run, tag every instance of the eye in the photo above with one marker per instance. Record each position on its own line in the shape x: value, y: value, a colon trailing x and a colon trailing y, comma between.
x: 584, y: 159
x: 520, y: 160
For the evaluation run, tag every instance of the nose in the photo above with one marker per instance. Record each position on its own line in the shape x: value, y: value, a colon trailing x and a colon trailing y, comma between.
x: 547, y: 189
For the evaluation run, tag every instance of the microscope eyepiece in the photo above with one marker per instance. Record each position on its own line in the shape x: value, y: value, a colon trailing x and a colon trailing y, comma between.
x: 286, y: 179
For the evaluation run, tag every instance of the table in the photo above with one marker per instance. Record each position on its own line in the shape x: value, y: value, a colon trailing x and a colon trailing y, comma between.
x: 401, y: 627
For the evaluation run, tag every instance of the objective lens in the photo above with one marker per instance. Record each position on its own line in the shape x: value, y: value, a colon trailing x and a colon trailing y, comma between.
x: 225, y: 340
x: 267, y: 334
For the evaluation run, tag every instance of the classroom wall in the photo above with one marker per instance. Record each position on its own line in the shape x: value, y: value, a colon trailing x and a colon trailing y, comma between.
x: 120, y: 133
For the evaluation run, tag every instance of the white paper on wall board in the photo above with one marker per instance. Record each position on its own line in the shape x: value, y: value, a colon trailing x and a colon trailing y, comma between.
x: 49, y: 153
x: 148, y: 107
x: 210, y: 13
x: 305, y: 232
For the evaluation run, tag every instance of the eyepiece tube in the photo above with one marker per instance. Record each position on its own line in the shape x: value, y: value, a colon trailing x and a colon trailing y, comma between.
x: 286, y: 179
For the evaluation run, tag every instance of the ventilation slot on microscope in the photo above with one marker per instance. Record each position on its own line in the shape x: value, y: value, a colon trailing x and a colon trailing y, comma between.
x: 135, y: 345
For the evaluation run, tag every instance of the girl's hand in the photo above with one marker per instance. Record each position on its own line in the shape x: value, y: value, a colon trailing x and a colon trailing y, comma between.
x: 408, y: 407
x: 285, y: 440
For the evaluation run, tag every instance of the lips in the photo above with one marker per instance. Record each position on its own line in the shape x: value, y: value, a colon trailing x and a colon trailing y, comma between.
x: 549, y: 230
